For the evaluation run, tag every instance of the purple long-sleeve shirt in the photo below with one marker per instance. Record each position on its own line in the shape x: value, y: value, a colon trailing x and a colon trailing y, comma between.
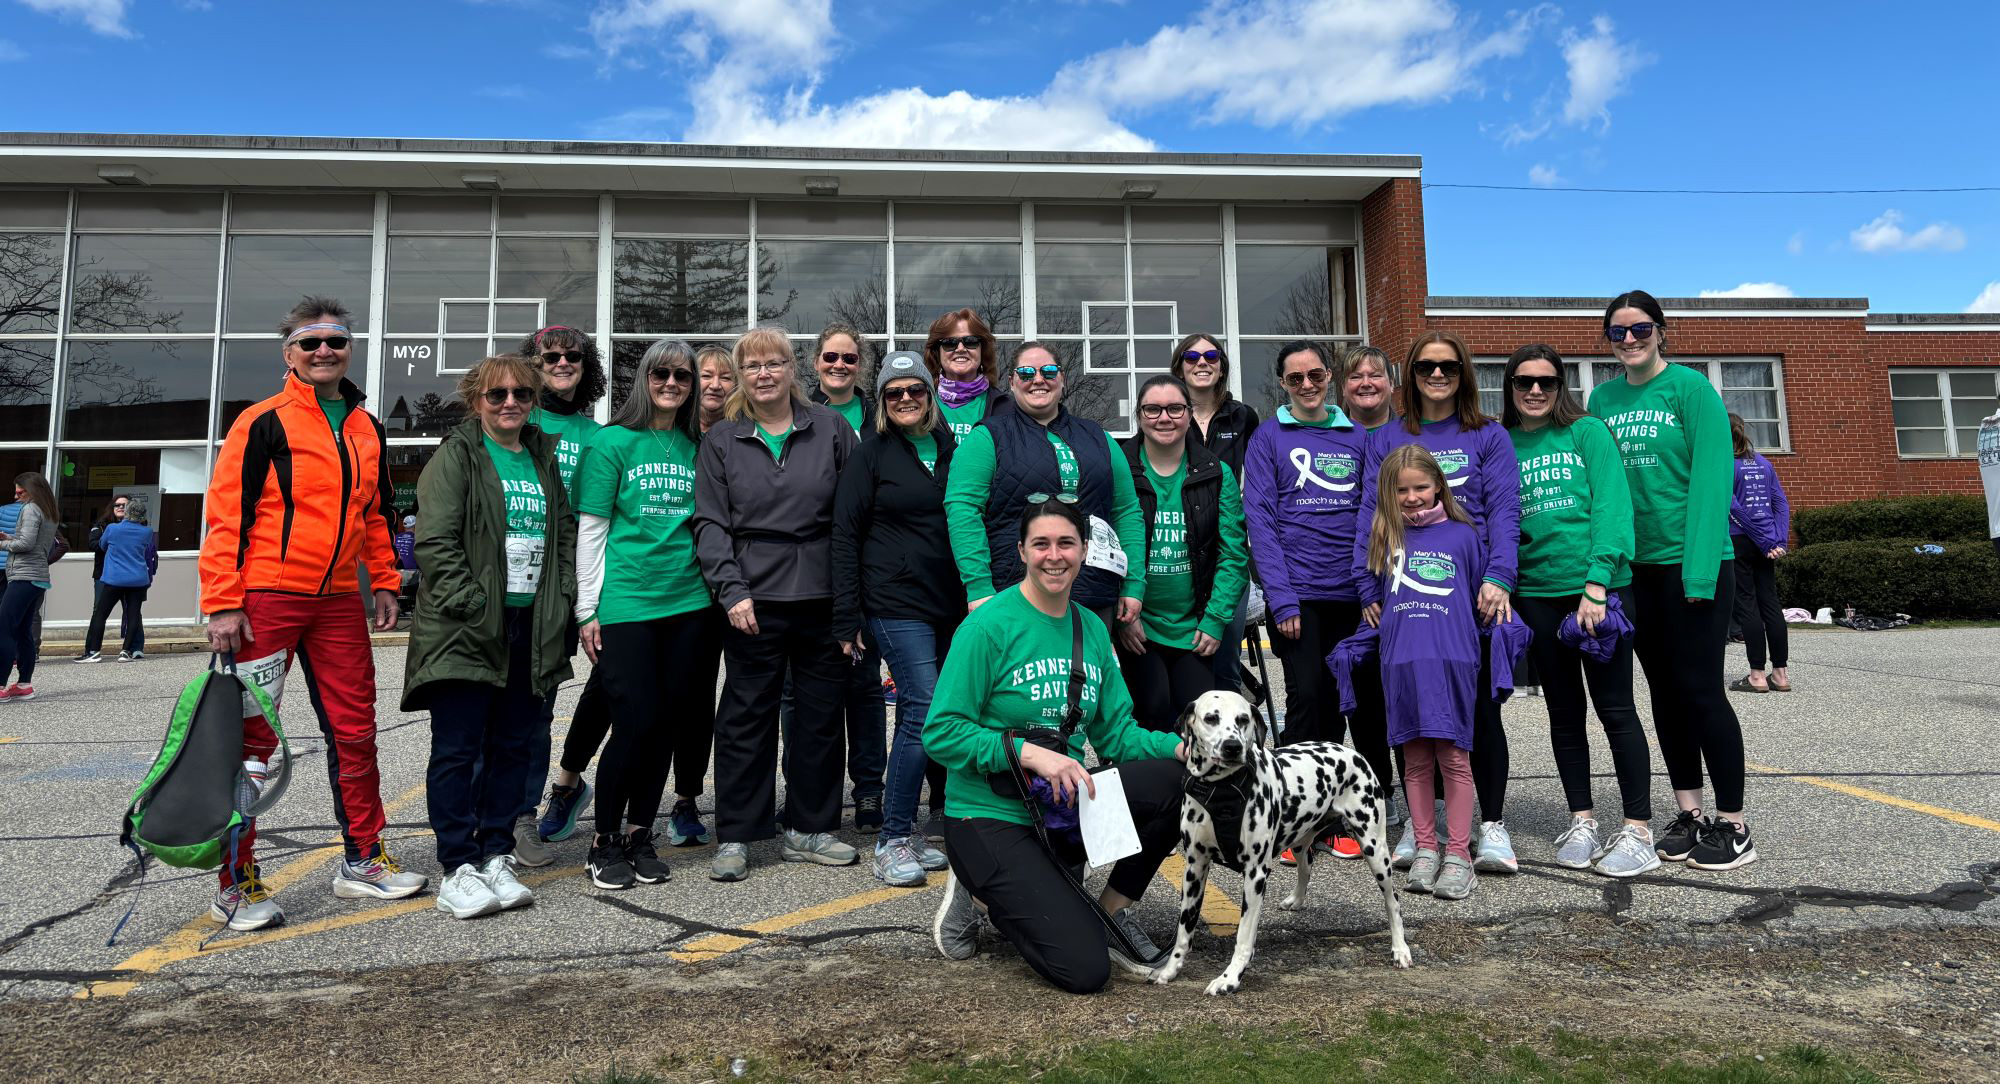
x: 1301, y: 489
x: 1484, y: 474
x: 1758, y: 507
x: 1430, y: 633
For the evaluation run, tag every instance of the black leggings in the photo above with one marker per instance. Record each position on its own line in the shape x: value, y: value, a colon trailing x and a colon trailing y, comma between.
x: 1163, y: 681
x: 592, y: 719
x: 1757, y: 608
x: 643, y: 663
x: 1564, y: 672
x: 1029, y: 897
x: 1679, y: 644
x: 1312, y: 699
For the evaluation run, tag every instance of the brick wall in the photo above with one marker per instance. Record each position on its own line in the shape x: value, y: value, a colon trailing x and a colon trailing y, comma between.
x: 1396, y: 279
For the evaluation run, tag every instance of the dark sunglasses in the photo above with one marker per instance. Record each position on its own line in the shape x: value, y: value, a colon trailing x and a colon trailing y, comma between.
x: 834, y: 358
x: 1314, y: 376
x: 1530, y: 383
x: 970, y: 342
x: 574, y: 357
x: 498, y: 396
x: 1044, y: 498
x: 1639, y: 331
x: 673, y: 376
x: 1149, y: 411
x: 1425, y: 367
x: 311, y: 343
x: 1202, y: 355
x: 916, y: 393
x: 1027, y: 372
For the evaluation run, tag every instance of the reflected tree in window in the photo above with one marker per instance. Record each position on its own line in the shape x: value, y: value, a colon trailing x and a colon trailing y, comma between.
x: 1308, y: 305
x: 103, y: 301
x: 683, y: 286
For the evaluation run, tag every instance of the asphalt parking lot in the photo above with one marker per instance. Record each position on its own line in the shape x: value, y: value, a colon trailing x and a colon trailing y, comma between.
x: 1873, y: 802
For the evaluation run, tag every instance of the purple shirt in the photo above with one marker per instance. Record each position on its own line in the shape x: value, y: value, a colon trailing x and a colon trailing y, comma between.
x: 1301, y: 489
x: 1430, y: 633
x: 1485, y: 476
x: 1758, y: 507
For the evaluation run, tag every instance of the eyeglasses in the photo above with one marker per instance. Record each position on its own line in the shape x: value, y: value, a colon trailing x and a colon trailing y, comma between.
x: 1150, y: 411
x: 1314, y: 376
x: 752, y: 368
x: 834, y: 358
x: 1202, y: 355
x: 1426, y: 366
x: 574, y: 357
x: 1639, y: 331
x: 1530, y: 383
x: 499, y: 396
x: 1027, y: 372
x: 916, y: 393
x: 673, y: 376
x: 311, y: 343
x: 1044, y: 498
x: 970, y: 342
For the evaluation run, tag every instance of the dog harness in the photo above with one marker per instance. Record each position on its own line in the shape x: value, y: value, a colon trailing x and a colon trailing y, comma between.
x: 1223, y: 800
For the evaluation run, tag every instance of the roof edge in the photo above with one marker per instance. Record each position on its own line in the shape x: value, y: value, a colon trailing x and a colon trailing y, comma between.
x: 1857, y: 306
x: 1935, y: 319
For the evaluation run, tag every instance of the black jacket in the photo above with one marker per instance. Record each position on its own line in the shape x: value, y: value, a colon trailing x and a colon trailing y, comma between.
x: 867, y: 409
x: 1201, y: 502
x: 891, y: 548
x: 1228, y: 434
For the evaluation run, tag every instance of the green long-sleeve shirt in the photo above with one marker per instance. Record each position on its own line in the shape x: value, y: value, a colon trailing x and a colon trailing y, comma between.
x: 1674, y: 435
x: 1576, y: 509
x: 965, y: 514
x: 1171, y: 616
x: 1009, y: 670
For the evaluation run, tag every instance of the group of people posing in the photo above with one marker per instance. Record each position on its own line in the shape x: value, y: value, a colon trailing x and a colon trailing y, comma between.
x: 953, y: 525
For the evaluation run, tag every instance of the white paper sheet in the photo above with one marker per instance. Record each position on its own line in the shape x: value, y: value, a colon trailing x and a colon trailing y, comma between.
x: 1108, y: 830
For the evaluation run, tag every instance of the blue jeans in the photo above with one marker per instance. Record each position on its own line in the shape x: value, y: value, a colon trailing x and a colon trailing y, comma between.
x: 914, y: 651
x: 18, y: 644
x: 1230, y: 655
x: 480, y: 742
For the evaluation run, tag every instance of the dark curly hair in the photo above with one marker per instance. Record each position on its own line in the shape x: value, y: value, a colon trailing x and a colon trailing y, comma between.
x: 590, y: 388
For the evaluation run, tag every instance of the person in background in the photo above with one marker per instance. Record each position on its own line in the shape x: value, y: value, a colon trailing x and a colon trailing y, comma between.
x: 965, y: 359
x: 405, y: 542
x: 718, y: 379
x: 1222, y: 423
x: 100, y: 608
x: 27, y: 547
x: 131, y: 556
x: 1760, y: 527
x: 1368, y: 387
x: 1989, y: 474
x: 840, y: 361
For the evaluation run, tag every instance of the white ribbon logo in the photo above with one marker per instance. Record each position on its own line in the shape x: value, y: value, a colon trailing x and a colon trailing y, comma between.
x: 1302, y: 459
x: 1398, y: 581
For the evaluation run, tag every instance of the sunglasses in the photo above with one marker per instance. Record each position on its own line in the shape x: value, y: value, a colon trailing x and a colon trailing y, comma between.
x: 916, y: 393
x: 834, y: 358
x: 1151, y: 411
x: 1425, y: 367
x: 970, y: 342
x: 574, y: 357
x: 1531, y: 383
x: 499, y: 396
x: 311, y: 343
x: 1027, y: 372
x: 673, y: 376
x: 1640, y: 331
x: 1044, y: 498
x: 1202, y: 355
x: 1314, y: 376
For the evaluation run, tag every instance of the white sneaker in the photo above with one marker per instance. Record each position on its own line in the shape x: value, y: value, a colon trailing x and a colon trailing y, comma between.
x: 465, y: 894
x: 1493, y: 850
x: 377, y: 876
x: 498, y: 873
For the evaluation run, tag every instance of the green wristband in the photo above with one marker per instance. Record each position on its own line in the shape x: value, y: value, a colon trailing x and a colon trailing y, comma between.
x: 1587, y: 598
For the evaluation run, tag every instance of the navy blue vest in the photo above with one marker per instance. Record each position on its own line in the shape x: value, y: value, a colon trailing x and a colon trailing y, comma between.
x: 1024, y: 462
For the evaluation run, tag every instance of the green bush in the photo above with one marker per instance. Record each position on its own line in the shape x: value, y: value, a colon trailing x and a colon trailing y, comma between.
x: 1935, y: 518
x: 1887, y: 576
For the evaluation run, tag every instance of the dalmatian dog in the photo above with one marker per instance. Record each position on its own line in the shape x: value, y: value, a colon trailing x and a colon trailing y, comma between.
x: 1289, y: 797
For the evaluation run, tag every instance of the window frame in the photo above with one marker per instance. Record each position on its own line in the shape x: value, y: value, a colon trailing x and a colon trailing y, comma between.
x: 1710, y: 365
x: 1940, y: 381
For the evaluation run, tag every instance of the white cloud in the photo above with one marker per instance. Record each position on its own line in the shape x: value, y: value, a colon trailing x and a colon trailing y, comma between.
x: 1544, y: 175
x: 1797, y: 244
x: 1988, y: 299
x: 1886, y: 234
x: 1753, y: 289
x: 774, y: 35
x: 1600, y: 66
x: 10, y: 52
x: 910, y: 117
x: 564, y: 51
x: 106, y: 17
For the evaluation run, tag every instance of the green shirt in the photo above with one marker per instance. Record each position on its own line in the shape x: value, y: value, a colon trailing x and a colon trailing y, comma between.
x: 643, y: 482
x: 850, y: 410
x: 1674, y: 435
x: 1169, y: 564
x: 572, y: 433
x: 1286, y: 417
x: 774, y: 441
x: 1067, y: 474
x: 964, y: 417
x: 527, y: 519
x: 335, y: 410
x: 926, y: 446
x: 1009, y: 669
x: 1576, y: 509
x: 965, y: 513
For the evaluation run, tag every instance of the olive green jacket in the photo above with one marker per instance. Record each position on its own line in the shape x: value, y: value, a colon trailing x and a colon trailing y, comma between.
x: 458, y: 631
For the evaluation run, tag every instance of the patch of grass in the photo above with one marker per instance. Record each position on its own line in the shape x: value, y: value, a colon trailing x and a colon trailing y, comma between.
x: 615, y: 1075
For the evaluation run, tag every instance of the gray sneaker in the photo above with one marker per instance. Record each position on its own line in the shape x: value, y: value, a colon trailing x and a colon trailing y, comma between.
x: 498, y: 873
x: 1493, y: 850
x: 896, y: 863
x: 1423, y: 872
x: 1578, y: 846
x: 955, y: 929
x: 1406, y: 848
x: 1122, y: 918
x: 529, y: 849
x: 1399, y: 810
x: 934, y: 827
x: 820, y: 847
x: 377, y: 876
x: 246, y: 905
x: 732, y: 862
x: 1629, y: 854
x: 928, y: 856
x: 1455, y: 879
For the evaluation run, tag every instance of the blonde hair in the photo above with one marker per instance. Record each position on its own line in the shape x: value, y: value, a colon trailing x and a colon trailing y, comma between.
x: 1385, y: 535
x: 489, y: 371
x: 930, y: 419
x: 759, y: 340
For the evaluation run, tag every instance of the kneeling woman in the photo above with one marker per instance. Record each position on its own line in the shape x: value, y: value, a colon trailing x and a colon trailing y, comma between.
x: 1008, y: 670
x: 497, y: 543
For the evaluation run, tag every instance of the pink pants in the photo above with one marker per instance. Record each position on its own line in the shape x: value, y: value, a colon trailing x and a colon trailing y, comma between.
x: 1455, y: 765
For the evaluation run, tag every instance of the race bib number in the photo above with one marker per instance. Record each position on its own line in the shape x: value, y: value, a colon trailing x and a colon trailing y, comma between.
x: 524, y: 563
x: 1105, y: 551
x: 268, y: 674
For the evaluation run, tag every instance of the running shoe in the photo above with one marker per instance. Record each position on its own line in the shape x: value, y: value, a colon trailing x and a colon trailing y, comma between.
x: 465, y: 894
x: 928, y: 856
x: 1406, y: 848
x: 1343, y: 847
x: 1578, y: 846
x: 732, y: 863
x: 559, y: 819
x: 1495, y: 851
x: 607, y: 864
x: 378, y: 876
x: 820, y: 847
x: 528, y: 846
x: 1629, y: 854
x: 1423, y: 872
x: 1722, y: 844
x: 955, y: 927
x: 934, y: 826
x: 868, y: 813
x: 647, y: 868
x: 684, y: 827
x: 246, y: 905
x: 1674, y: 844
x: 89, y: 656
x: 1455, y: 880
x: 896, y: 863
x: 498, y: 873
x: 1150, y: 953
x: 18, y: 692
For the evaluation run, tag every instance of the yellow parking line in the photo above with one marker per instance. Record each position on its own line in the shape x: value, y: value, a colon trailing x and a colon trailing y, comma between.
x: 1952, y: 815
x: 1221, y: 914
x: 8, y: 740
x: 720, y: 944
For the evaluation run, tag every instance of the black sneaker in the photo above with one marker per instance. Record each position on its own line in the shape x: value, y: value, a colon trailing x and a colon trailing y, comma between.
x: 1674, y: 844
x: 647, y: 868
x: 868, y: 813
x: 1723, y: 845
x: 608, y: 865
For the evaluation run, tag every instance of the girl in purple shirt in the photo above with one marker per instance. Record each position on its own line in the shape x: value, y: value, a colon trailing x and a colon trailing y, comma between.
x: 1760, y: 525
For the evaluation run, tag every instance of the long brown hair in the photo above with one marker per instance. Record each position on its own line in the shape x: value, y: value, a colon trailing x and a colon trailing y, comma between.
x: 1566, y: 409
x: 1739, y: 437
x: 1385, y: 535
x: 39, y: 493
x: 1409, y: 399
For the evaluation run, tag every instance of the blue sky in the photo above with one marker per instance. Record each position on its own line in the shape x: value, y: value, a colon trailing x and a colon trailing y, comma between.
x: 1551, y: 97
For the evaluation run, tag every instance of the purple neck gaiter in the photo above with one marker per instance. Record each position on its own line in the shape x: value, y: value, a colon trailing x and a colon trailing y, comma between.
x: 957, y: 393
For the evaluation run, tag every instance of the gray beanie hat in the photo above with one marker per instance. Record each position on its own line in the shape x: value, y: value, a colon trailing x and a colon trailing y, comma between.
x: 903, y: 364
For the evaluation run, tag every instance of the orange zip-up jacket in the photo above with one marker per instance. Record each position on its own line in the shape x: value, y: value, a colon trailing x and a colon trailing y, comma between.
x: 295, y: 507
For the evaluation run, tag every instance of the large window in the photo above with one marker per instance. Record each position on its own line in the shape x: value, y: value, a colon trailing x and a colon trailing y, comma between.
x: 1750, y: 387
x: 1938, y: 411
